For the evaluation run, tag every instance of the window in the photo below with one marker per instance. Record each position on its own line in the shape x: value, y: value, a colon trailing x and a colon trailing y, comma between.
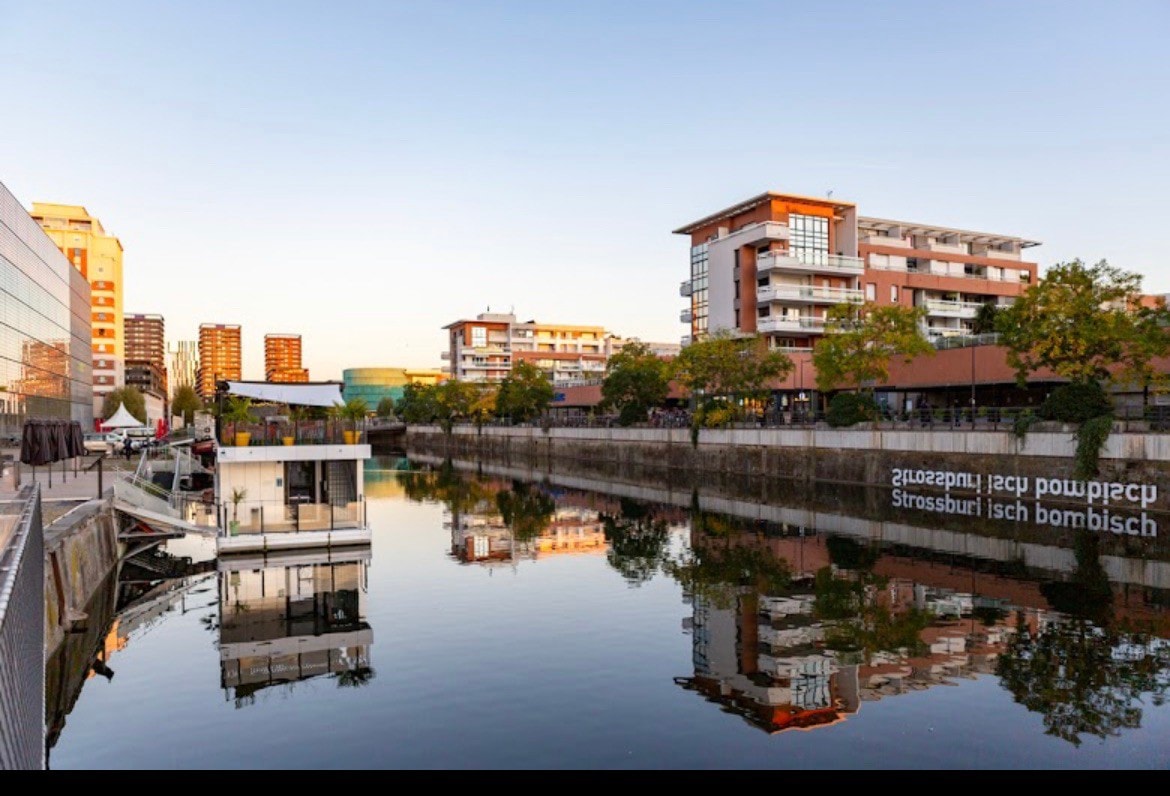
x: 478, y: 337
x: 870, y: 291
x: 893, y: 294
x: 808, y: 238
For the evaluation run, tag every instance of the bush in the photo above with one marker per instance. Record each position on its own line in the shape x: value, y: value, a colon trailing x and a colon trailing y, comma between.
x: 631, y: 414
x: 1076, y: 403
x: 1091, y: 437
x: 849, y: 408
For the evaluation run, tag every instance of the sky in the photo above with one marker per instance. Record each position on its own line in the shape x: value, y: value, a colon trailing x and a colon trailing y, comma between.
x: 364, y: 173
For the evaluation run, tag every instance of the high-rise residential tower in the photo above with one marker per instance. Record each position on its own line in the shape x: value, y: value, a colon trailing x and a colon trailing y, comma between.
x: 146, y: 360
x: 98, y: 256
x: 220, y: 358
x: 282, y: 358
x: 182, y: 365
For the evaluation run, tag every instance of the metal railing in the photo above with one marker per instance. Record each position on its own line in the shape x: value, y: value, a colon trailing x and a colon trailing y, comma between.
x: 22, y: 636
x: 305, y: 432
x: 1154, y: 419
x: 249, y: 517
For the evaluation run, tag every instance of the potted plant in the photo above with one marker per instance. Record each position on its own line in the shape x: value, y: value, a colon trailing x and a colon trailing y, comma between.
x: 287, y: 437
x: 354, y: 410
x: 238, y: 412
x: 238, y: 494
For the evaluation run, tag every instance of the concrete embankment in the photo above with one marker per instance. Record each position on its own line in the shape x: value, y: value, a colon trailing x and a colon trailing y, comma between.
x: 81, y: 554
x: 1134, y: 467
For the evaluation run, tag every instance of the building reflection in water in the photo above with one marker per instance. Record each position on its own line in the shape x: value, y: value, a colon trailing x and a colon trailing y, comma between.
x: 292, y: 616
x: 796, y: 630
x: 797, y: 624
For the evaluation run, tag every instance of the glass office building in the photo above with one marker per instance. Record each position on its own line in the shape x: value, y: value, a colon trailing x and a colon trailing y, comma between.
x: 46, y: 360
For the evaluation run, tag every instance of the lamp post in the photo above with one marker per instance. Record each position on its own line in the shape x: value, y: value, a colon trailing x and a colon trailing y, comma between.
x: 972, y: 384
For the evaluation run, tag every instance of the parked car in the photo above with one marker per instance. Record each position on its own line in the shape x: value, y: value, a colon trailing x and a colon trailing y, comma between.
x: 95, y: 442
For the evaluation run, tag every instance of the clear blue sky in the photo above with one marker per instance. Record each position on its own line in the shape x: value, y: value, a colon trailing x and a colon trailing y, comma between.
x: 365, y: 172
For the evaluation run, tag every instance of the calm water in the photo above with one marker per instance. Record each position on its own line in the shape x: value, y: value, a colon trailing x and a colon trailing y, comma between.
x: 498, y: 622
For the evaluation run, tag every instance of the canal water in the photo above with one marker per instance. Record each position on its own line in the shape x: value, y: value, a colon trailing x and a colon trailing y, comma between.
x: 504, y: 619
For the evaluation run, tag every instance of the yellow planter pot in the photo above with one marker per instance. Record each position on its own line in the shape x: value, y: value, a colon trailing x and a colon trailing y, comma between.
x: 243, y: 439
x: 351, y: 437
x: 288, y: 440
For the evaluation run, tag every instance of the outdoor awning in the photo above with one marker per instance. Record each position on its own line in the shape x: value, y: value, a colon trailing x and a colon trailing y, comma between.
x: 324, y: 394
x: 122, y: 419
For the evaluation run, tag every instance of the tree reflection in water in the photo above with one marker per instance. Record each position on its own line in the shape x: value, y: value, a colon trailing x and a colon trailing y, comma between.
x: 1083, y: 673
x: 637, y: 541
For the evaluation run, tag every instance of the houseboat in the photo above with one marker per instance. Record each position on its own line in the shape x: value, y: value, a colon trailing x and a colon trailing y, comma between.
x: 288, y: 477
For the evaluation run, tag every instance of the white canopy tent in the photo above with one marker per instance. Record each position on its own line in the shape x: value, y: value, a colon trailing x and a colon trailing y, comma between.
x: 322, y: 394
x: 122, y: 419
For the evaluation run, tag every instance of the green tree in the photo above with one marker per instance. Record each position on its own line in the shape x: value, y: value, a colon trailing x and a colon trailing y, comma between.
x: 186, y: 403
x: 454, y: 400
x: 385, y: 408
x: 985, y: 318
x: 636, y: 380
x: 860, y: 341
x: 1084, y: 323
x: 130, y: 397
x: 417, y: 404
x: 524, y: 393
x: 728, y: 368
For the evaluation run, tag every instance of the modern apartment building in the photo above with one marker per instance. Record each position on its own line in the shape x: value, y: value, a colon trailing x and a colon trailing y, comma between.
x: 98, y: 257
x: 774, y: 264
x: 182, y: 365
x: 220, y: 357
x: 282, y: 358
x: 146, y: 359
x: 486, y: 348
x: 46, y: 361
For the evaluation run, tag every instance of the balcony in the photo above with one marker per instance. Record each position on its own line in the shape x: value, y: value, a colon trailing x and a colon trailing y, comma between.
x: 445, y: 355
x: 952, y: 309
x: 802, y: 324
x: 757, y: 233
x: 685, y: 316
x: 808, y: 294
x: 783, y: 262
x: 685, y: 340
x: 685, y: 289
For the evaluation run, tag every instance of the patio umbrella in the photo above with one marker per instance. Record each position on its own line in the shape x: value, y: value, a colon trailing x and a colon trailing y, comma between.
x: 29, y: 442
x: 61, y: 432
x: 76, y: 439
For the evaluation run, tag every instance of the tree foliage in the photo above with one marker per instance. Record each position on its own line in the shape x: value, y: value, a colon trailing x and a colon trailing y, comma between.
x: 723, y: 365
x: 417, y: 404
x: 636, y: 380
x: 385, y: 407
x: 130, y: 397
x: 186, y: 403
x: 524, y: 393
x: 1084, y: 323
x: 861, y: 340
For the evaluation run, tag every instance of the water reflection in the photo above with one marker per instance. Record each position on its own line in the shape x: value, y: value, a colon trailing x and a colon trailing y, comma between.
x: 290, y: 617
x: 795, y: 626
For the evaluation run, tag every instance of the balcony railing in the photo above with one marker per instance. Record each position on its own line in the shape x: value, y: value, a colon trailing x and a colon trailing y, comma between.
x: 789, y: 323
x: 266, y: 517
x: 685, y: 289
x: 953, y: 309
x: 684, y: 316
x: 808, y: 294
x: 805, y: 262
x: 301, y: 432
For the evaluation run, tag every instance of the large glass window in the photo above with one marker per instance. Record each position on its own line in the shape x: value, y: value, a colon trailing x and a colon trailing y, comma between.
x: 699, y: 290
x: 809, y: 238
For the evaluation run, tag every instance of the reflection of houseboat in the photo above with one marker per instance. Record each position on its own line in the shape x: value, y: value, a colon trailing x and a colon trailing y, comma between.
x: 286, y: 483
x: 289, y: 616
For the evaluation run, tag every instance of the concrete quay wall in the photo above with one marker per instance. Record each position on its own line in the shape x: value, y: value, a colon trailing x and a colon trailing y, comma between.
x: 81, y: 553
x: 872, y: 457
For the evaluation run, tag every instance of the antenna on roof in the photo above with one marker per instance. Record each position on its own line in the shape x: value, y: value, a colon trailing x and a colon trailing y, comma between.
x: 829, y: 195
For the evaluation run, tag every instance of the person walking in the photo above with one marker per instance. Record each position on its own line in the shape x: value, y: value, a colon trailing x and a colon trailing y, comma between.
x: 127, y: 447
